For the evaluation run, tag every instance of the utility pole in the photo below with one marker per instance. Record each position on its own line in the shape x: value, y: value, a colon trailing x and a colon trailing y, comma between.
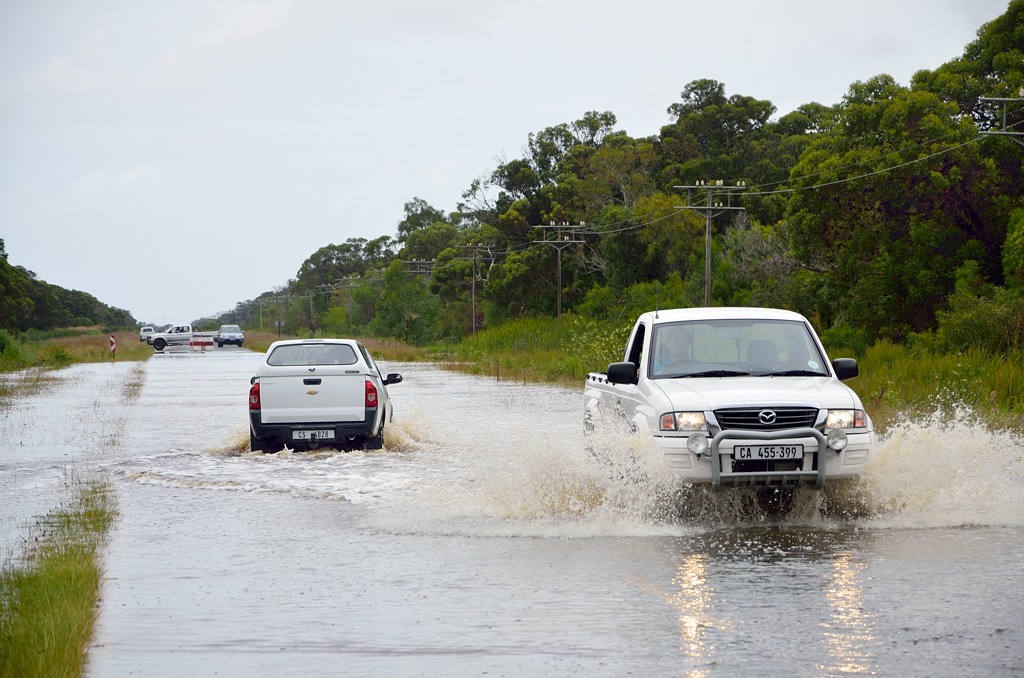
x: 475, y: 251
x: 564, y: 236
x: 420, y: 267
x: 1004, y: 130
x: 717, y: 199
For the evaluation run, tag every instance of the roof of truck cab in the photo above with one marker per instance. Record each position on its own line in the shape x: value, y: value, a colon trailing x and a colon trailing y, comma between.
x: 293, y: 342
x: 721, y: 313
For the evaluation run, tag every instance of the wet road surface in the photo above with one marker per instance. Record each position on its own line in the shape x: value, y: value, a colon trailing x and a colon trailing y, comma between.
x: 483, y: 540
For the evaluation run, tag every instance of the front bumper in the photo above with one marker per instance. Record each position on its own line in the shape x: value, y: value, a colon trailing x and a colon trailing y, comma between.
x: 719, y: 468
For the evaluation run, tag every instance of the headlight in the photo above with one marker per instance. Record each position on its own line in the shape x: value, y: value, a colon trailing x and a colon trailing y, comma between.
x: 846, y: 419
x: 682, y: 421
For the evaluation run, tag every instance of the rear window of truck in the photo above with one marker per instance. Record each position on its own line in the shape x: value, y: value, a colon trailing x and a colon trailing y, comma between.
x: 313, y: 354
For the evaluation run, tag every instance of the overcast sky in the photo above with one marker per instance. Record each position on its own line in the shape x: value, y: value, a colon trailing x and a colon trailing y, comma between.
x: 173, y: 158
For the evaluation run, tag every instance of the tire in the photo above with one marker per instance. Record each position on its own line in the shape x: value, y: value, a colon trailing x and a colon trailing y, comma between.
x: 264, y: 445
x: 159, y: 343
x: 375, y: 442
x: 220, y: 345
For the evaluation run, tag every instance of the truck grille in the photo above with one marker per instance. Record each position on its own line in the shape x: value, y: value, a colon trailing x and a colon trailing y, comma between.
x: 761, y: 419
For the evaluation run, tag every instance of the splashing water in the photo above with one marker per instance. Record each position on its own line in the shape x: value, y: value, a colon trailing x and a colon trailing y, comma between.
x: 938, y: 472
x: 947, y: 471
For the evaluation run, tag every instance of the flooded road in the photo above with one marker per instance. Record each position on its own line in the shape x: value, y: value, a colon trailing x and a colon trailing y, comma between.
x: 483, y: 540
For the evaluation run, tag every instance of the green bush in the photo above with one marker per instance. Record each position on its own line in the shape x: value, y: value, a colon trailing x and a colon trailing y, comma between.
x: 994, y: 324
x: 11, y: 355
x: 846, y: 339
x: 56, y: 357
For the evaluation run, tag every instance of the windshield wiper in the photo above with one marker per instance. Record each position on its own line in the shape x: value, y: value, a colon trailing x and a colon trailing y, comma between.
x: 717, y: 373
x: 793, y: 373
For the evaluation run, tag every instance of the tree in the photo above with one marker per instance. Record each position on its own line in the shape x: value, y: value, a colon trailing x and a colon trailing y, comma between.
x: 405, y: 310
x: 426, y: 243
x: 418, y: 214
x: 889, y: 207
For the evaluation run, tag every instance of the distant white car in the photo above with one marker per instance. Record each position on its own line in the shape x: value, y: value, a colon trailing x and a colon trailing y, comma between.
x: 311, y: 393
x: 145, y: 333
x: 229, y: 334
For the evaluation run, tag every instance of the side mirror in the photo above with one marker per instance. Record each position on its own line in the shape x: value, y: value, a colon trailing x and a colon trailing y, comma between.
x: 846, y: 368
x: 393, y: 378
x: 622, y: 373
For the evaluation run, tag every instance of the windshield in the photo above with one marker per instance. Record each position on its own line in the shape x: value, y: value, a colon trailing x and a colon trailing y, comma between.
x: 725, y: 348
x: 231, y: 328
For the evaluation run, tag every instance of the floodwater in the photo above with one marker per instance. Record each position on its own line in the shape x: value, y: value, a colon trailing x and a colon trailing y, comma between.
x: 484, y: 541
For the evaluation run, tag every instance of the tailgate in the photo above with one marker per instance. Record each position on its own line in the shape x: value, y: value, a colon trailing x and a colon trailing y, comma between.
x: 308, y: 398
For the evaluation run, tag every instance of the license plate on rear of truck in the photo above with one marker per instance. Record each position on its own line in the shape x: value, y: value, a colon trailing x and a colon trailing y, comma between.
x: 768, y: 452
x: 319, y: 434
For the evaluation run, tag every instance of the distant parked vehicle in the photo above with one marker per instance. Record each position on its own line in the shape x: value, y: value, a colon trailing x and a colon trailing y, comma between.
x: 145, y: 333
x: 229, y: 334
x: 178, y: 335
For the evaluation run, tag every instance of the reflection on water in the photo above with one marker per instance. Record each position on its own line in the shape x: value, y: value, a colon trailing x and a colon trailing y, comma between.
x: 693, y: 599
x: 849, y: 635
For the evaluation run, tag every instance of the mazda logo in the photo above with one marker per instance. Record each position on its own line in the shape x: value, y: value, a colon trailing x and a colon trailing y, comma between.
x: 766, y: 417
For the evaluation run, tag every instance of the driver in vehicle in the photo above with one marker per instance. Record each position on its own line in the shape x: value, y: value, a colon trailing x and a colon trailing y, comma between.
x: 673, y: 350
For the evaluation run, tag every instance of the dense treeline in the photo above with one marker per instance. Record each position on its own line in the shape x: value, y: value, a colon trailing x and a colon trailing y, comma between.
x: 895, y: 214
x: 27, y: 303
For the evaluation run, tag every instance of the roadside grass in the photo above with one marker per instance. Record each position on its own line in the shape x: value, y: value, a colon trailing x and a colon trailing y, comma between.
x: 538, y: 350
x: 54, y: 350
x: 48, y: 596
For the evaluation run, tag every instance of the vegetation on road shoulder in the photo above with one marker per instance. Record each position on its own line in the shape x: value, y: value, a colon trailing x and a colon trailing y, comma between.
x: 48, y: 597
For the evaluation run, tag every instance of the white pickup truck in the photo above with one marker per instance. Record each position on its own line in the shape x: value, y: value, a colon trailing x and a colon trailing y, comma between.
x: 178, y: 335
x: 310, y: 393
x: 735, y: 397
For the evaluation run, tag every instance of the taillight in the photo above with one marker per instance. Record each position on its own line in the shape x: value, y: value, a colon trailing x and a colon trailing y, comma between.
x: 254, y: 396
x: 371, y: 394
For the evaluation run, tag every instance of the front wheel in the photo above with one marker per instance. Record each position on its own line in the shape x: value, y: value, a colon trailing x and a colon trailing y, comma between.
x: 220, y: 344
x: 159, y: 344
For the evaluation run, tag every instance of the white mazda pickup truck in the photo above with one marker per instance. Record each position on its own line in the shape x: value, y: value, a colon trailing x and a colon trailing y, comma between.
x: 310, y: 393
x: 735, y: 397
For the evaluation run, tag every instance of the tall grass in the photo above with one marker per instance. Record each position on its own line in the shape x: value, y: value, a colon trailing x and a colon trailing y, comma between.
x: 540, y: 349
x: 897, y: 381
x: 48, y: 597
x: 54, y: 350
